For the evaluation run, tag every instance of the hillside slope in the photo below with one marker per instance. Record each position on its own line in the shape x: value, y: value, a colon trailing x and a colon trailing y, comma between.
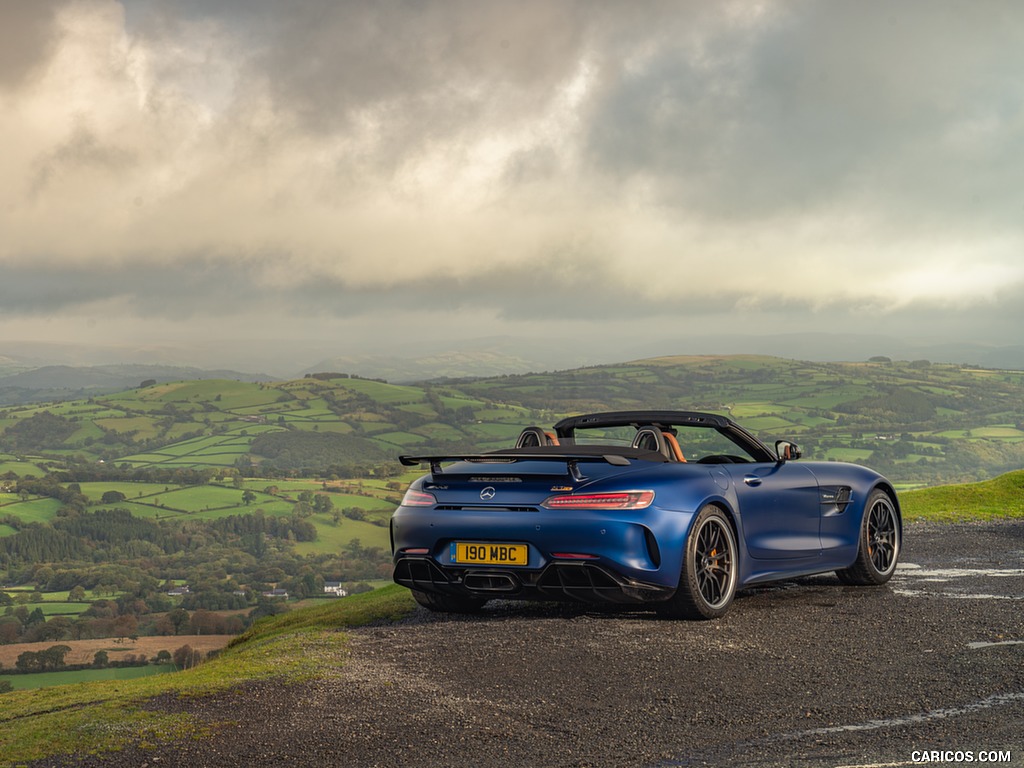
x: 917, y: 422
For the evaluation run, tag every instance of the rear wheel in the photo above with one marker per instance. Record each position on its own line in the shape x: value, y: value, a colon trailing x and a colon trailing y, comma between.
x: 710, y: 566
x: 879, y: 547
x: 448, y: 603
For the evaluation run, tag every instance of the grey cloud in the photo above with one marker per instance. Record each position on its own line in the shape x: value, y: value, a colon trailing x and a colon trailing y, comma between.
x: 573, y: 287
x: 420, y: 71
x: 27, y: 38
x: 82, y: 149
x: 192, y: 284
x: 813, y: 105
x: 825, y: 104
x: 734, y: 127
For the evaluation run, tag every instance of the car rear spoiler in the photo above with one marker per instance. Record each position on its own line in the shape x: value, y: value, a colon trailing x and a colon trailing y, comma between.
x: 571, y: 459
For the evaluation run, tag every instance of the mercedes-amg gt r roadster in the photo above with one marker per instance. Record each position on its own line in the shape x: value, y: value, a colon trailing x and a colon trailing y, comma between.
x: 670, y: 508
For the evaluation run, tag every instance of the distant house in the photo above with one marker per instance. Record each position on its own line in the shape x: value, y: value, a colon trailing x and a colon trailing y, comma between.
x: 275, y: 593
x: 178, y: 591
x: 335, y: 589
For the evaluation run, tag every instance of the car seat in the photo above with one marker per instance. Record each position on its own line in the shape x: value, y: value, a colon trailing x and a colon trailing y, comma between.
x: 675, y: 452
x: 535, y: 437
x: 653, y: 439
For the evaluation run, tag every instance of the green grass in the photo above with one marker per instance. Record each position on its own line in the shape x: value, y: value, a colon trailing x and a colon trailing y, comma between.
x: 400, y: 439
x: 91, y: 718
x: 382, y: 393
x: 60, y: 609
x: 498, y: 431
x: 333, y: 538
x: 848, y: 454
x: 146, y: 426
x: 997, y: 431
x: 364, y: 502
x: 21, y: 468
x: 132, y: 491
x: 46, y: 679
x: 1001, y: 497
x: 36, y: 510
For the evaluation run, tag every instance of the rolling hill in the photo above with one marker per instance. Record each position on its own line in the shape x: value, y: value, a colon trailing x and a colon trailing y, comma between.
x: 918, y: 422
x: 65, y: 382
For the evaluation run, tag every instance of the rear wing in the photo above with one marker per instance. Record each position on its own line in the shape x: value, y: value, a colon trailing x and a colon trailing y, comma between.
x: 571, y: 459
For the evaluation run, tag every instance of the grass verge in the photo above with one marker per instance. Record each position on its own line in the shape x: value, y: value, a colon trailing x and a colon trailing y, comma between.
x: 1001, y: 497
x: 88, y: 718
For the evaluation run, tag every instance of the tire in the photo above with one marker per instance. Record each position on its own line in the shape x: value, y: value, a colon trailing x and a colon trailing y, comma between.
x: 879, y: 543
x: 710, y: 570
x: 448, y: 603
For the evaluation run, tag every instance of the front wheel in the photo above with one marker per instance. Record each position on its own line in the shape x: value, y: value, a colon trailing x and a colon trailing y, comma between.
x: 879, y: 543
x: 448, y: 603
x: 710, y: 567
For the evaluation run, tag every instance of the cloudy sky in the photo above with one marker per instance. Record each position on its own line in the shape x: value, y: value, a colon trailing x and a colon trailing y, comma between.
x: 357, y: 175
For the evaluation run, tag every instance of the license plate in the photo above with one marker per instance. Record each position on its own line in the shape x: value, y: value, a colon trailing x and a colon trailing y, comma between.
x: 484, y: 553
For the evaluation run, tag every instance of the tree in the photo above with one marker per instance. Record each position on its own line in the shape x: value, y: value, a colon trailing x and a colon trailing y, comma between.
x: 125, y: 626
x: 112, y: 497
x: 77, y: 594
x: 53, y: 657
x: 101, y: 660
x: 10, y: 630
x: 29, y: 661
x: 248, y: 497
x: 57, y: 628
x: 179, y: 618
x: 186, y: 657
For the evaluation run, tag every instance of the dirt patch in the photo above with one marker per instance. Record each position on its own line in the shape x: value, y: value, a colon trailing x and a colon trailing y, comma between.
x: 82, y: 651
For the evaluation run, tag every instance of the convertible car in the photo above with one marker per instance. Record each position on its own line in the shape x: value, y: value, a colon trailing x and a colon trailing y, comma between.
x: 673, y: 509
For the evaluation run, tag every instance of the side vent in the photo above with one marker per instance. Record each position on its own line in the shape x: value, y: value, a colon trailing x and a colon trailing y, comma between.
x: 652, y: 547
x: 835, y: 497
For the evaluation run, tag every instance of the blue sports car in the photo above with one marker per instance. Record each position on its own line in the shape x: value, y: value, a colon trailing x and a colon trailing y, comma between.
x: 674, y: 509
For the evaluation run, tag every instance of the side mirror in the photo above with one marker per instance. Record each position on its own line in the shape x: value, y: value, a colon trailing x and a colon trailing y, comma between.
x: 787, y: 451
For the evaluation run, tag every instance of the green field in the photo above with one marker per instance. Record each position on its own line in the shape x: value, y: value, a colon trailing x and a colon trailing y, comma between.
x: 333, y: 538
x: 997, y: 498
x: 973, y: 418
x: 95, y: 491
x: 49, y: 679
x: 50, y: 608
x: 20, y: 468
x: 37, y: 510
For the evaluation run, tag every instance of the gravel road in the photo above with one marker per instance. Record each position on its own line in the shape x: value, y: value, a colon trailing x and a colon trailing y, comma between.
x: 805, y: 673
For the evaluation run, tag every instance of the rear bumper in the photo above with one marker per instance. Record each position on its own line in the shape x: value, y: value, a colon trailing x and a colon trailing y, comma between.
x: 580, y: 581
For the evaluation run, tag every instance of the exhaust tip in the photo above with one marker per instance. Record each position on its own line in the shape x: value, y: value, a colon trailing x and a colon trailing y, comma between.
x: 490, y: 582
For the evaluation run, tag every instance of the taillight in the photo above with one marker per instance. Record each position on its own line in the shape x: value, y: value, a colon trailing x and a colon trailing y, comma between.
x: 418, y: 499
x: 616, y: 500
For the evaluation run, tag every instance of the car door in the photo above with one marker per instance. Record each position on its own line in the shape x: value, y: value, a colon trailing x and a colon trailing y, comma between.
x: 780, y: 509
